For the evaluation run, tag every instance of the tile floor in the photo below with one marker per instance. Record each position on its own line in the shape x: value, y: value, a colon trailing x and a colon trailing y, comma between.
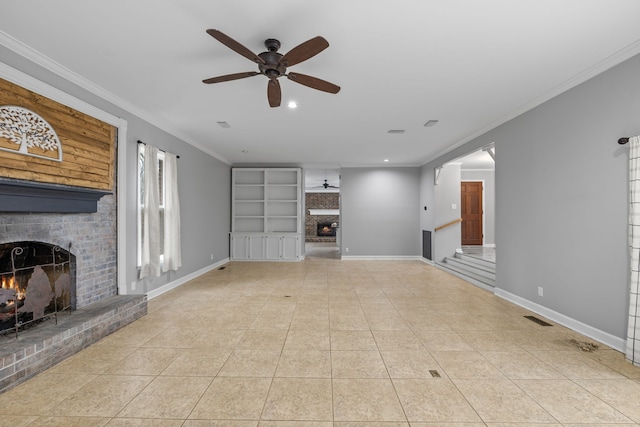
x: 323, y: 343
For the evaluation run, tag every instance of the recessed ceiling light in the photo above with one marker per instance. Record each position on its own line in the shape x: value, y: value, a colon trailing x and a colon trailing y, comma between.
x: 245, y: 151
x: 386, y: 160
x: 292, y: 104
x: 430, y: 123
x: 395, y: 131
x: 224, y: 125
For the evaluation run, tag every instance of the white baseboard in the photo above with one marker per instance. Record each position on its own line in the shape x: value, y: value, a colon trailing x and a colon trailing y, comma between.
x: 427, y: 261
x: 181, y: 281
x: 604, y: 337
x: 380, y: 258
x: 489, y: 245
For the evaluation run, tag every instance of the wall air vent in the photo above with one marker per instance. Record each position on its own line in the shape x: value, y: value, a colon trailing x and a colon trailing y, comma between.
x: 398, y: 131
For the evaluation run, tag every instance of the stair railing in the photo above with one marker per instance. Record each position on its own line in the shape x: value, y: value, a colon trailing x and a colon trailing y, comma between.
x: 449, y: 224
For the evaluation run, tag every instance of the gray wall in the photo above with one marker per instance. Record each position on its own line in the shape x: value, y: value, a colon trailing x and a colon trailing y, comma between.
x: 561, y: 199
x: 204, y: 185
x: 488, y: 190
x: 380, y: 212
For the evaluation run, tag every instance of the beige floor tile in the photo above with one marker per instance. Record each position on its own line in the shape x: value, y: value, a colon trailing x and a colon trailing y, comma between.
x: 348, y: 322
x: 310, y: 321
x: 308, y: 340
x: 295, y: 424
x: 17, y: 420
x: 173, y: 337
x: 250, y: 363
x: 303, y: 399
x: 232, y: 398
x: 366, y: 400
x: 198, y: 362
x: 521, y: 365
x: 304, y: 364
x: 466, y: 365
x: 623, y: 395
x: 371, y: 424
x: 435, y: 340
x: 145, y: 361
x: 570, y: 403
x: 353, y: 340
x: 167, y: 397
x: 219, y: 423
x: 409, y: 364
x: 502, y: 401
x: 68, y: 422
x: 575, y: 365
x: 433, y: 400
x: 220, y: 338
x: 263, y: 339
x: 357, y: 364
x: 28, y: 399
x: 105, y: 396
x: 397, y: 340
x: 475, y: 425
x: 144, y: 422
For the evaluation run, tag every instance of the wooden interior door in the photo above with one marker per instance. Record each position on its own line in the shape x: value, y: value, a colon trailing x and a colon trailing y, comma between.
x: 471, y: 206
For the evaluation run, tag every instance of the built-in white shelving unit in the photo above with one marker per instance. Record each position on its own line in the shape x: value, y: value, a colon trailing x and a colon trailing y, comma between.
x: 266, y: 214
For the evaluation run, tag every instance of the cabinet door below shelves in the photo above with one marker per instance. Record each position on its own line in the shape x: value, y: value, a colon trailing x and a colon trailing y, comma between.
x: 256, y: 247
x: 290, y: 247
x: 239, y: 247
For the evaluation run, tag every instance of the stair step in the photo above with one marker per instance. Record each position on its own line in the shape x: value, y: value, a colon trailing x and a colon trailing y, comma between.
x: 476, y: 260
x: 465, y: 264
x: 469, y: 276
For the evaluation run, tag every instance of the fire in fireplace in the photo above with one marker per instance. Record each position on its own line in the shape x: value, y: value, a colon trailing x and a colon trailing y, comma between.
x: 326, y: 229
x: 37, y: 280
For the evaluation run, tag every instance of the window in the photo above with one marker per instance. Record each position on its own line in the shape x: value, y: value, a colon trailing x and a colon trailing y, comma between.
x: 161, y: 199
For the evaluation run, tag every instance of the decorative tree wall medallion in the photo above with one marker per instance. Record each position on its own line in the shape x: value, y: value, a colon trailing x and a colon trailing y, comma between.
x: 25, y: 132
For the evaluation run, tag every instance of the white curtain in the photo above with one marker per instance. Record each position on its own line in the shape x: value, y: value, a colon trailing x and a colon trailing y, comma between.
x: 633, y: 334
x: 172, y: 252
x: 150, y: 249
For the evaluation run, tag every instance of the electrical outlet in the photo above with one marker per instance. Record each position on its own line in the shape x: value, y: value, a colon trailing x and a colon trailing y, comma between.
x: 346, y: 250
x: 211, y: 257
x: 540, y: 291
x: 133, y: 286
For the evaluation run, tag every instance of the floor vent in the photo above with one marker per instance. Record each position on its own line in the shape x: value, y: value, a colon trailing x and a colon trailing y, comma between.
x: 434, y: 373
x: 538, y: 321
x: 222, y: 268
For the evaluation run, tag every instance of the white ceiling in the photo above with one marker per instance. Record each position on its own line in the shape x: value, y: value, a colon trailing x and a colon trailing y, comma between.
x: 470, y: 64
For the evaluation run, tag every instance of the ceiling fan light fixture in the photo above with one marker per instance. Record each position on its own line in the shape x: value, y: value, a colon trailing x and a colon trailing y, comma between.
x: 292, y: 104
x: 224, y: 125
x: 430, y: 123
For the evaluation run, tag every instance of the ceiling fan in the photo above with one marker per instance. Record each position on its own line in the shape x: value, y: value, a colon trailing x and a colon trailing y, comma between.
x: 326, y: 185
x: 274, y: 65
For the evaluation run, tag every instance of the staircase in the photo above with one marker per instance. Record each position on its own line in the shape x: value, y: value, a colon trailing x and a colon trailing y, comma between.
x: 478, y: 271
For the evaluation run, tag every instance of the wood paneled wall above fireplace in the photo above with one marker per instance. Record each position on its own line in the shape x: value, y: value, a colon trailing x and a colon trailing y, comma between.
x: 88, y: 144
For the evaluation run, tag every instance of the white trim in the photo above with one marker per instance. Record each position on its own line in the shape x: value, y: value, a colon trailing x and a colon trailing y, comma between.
x: 489, y: 245
x: 49, y: 64
x: 604, y: 337
x: 182, y: 280
x: 21, y: 79
x: 324, y: 211
x: 428, y: 261
x: 381, y: 258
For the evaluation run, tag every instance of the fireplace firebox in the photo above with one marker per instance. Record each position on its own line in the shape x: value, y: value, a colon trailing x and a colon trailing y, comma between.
x: 37, y: 281
x: 326, y: 229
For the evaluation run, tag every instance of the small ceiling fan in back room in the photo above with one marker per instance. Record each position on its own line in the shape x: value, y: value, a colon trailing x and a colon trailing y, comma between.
x: 274, y: 65
x: 326, y: 185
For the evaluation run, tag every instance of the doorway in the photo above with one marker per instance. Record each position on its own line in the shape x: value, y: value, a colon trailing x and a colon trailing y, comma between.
x: 322, y: 213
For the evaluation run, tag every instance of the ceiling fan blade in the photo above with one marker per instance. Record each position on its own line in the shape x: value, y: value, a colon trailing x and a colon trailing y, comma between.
x: 229, y: 77
x: 235, y: 46
x: 304, y: 51
x: 313, y: 82
x: 274, y: 94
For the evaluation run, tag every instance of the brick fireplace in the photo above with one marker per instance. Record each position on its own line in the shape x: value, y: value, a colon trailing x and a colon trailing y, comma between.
x: 100, y: 311
x: 320, y: 201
